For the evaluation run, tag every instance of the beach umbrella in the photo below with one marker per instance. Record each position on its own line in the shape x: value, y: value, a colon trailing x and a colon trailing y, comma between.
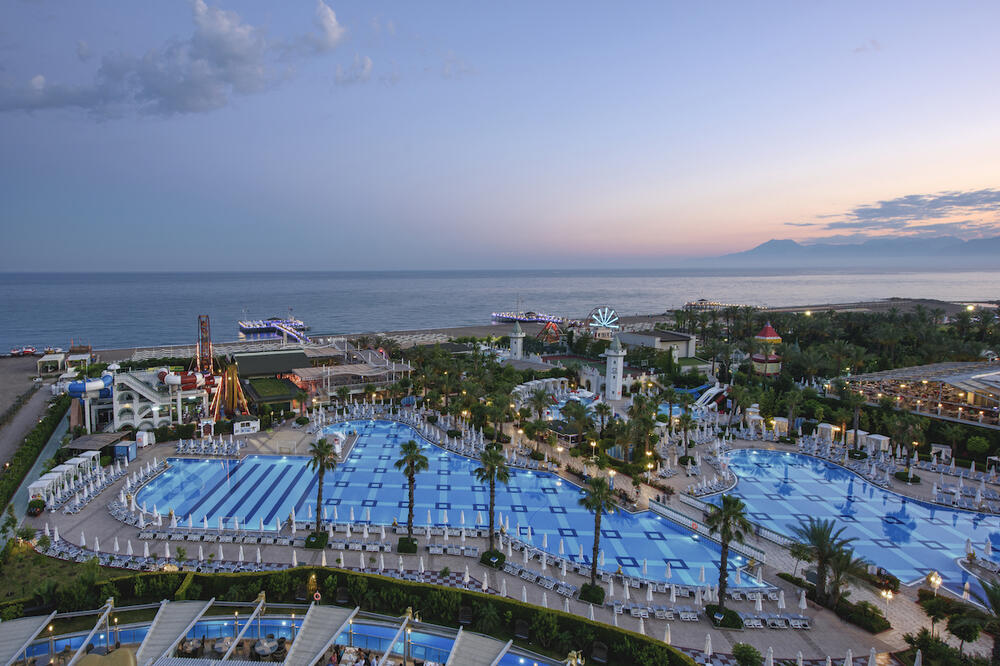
x: 829, y: 661
x: 97, y: 545
x: 83, y: 540
x: 545, y: 599
x: 628, y: 594
x: 240, y: 557
x: 644, y: 568
x: 166, y: 550
x: 758, y: 604
x: 117, y: 548
x: 429, y: 521
x: 479, y: 519
x: 918, y: 660
x: 352, y: 513
x: 128, y: 547
x: 173, y: 520
x: 309, y: 511
x: 562, y: 549
x: 258, y: 556
x: 361, y: 561
x: 669, y: 574
x: 145, y: 549
x: 400, y: 564
x: 295, y: 559
x: 348, y: 533
x: 673, y: 594
x: 381, y: 532
x: 524, y: 594
x: 421, y: 569
x: 798, y: 658
x: 545, y: 540
x: 760, y: 575
x: 220, y: 523
x: 701, y: 574
x: 849, y: 658
x: 563, y: 568
x: 368, y: 514
x: 335, y: 516
x: 364, y: 532
x: 871, y: 657
x: 525, y: 551
x: 611, y: 588
x: 965, y: 591
x: 159, y: 520
x: 697, y: 596
x: 802, y: 600
x: 503, y: 587
x: 614, y: 619
x: 781, y: 600
x: 529, y: 534
x: 545, y: 563
x: 381, y: 562
x: 988, y: 547
x: 486, y: 581
x: 649, y: 593
x: 968, y: 547
x: 341, y: 561
x: 590, y: 612
x: 708, y: 645
x: 642, y: 624
x: 600, y: 559
x: 201, y: 553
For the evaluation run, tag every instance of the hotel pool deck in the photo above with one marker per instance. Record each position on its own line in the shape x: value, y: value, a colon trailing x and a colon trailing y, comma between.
x: 266, y: 488
x: 907, y: 537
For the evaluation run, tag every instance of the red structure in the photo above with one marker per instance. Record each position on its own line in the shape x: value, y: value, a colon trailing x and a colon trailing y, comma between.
x: 205, y: 360
x: 550, y: 333
x: 765, y: 361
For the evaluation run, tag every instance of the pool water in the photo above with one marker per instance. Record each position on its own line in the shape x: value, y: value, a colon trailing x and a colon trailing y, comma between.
x: 267, y: 487
x: 907, y: 537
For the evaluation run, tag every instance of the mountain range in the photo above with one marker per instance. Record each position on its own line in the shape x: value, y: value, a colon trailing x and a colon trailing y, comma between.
x: 895, y: 252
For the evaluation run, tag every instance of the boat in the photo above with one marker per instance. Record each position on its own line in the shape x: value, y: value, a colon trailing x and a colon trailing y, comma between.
x: 527, y: 316
x: 23, y: 351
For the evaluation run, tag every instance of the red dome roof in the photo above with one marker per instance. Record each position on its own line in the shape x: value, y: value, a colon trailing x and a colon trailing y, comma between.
x: 768, y: 334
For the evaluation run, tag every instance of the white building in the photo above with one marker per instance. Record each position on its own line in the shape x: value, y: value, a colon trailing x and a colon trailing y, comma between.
x: 517, y: 342
x: 681, y: 344
x: 142, y: 401
x: 613, y: 375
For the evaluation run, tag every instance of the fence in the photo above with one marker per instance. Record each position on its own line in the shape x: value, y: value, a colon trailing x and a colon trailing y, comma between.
x: 759, y: 530
x: 701, y: 529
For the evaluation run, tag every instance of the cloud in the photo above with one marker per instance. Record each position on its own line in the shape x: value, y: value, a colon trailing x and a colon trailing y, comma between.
x: 359, y: 71
x: 330, y: 30
x: 83, y: 51
x: 871, y: 46
x: 455, y: 68
x: 223, y: 58
x: 969, y: 214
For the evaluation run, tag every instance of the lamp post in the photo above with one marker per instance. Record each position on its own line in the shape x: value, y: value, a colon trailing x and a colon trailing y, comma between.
x: 887, y: 595
x: 52, y: 645
x: 934, y: 578
x: 611, y: 478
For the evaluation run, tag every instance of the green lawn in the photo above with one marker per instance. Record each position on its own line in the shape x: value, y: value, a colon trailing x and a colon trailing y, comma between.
x: 25, y: 569
x: 269, y: 387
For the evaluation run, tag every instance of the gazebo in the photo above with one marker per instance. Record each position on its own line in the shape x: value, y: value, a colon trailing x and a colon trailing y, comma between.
x: 879, y: 442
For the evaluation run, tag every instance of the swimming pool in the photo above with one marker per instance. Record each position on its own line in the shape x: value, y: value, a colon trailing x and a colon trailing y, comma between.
x: 267, y: 487
x: 905, y: 536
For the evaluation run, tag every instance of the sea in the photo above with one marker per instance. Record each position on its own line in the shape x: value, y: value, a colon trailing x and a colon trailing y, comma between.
x: 119, y: 310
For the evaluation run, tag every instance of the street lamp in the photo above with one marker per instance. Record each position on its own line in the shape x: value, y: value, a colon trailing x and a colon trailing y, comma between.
x: 887, y: 595
x: 934, y: 578
x: 611, y: 478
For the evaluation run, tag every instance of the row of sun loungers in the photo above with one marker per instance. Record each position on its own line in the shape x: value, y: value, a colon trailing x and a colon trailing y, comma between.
x: 83, y: 493
x: 208, y: 447
x: 452, y: 549
x: 549, y: 583
x: 775, y: 620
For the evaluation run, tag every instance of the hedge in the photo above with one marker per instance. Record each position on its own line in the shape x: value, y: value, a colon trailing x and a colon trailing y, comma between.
x: 553, y: 632
x: 31, y: 448
x: 19, y: 402
x: 862, y: 614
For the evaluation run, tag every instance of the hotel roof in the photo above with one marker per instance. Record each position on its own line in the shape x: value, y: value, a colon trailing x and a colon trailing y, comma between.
x: 257, y: 364
x: 978, y: 377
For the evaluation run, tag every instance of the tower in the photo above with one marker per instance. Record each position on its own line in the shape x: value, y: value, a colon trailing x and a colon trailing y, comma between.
x: 517, y: 342
x: 615, y: 356
x: 765, y: 361
x: 204, y: 360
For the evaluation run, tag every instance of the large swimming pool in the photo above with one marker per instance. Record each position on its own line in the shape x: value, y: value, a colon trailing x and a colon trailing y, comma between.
x: 905, y: 536
x: 267, y: 487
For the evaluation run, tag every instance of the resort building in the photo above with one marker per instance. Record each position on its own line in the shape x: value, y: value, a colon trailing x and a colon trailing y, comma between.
x: 142, y: 401
x: 517, y: 342
x: 682, y: 345
x: 613, y: 375
x: 960, y: 391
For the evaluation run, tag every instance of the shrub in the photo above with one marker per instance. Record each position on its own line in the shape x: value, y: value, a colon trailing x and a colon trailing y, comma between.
x: 488, y: 557
x: 747, y: 655
x: 684, y: 460
x: 863, y: 614
x: 901, y: 475
x: 536, y: 455
x: 857, y: 454
x: 730, y: 620
x: 317, y: 540
x: 431, y: 418
x: 454, y: 433
x: 592, y: 593
x: 406, y: 545
x: 302, y: 420
x: 978, y: 445
x: 35, y: 507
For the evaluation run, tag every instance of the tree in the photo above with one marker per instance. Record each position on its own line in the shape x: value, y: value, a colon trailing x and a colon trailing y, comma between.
x: 301, y: 397
x: 800, y: 553
x: 988, y: 619
x: 493, y: 468
x: 936, y: 609
x: 728, y: 520
x: 686, y: 424
x: 603, y: 411
x: 599, y: 500
x: 411, y: 462
x: 539, y: 401
x: 844, y: 568
x: 343, y: 393
x: 823, y: 542
x: 321, y: 460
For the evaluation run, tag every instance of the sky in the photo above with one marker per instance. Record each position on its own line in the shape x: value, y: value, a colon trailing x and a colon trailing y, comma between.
x: 316, y: 134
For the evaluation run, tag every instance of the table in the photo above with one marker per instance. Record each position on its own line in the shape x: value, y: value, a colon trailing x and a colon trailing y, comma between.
x: 223, y: 644
x: 265, y: 648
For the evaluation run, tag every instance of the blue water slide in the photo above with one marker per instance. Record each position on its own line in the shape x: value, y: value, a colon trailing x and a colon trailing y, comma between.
x: 91, y: 388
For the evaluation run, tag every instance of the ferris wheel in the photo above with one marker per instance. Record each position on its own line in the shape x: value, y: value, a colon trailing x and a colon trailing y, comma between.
x: 603, y: 317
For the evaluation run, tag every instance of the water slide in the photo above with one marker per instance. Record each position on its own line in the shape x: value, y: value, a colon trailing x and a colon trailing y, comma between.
x: 91, y: 388
x: 711, y: 395
x: 185, y: 380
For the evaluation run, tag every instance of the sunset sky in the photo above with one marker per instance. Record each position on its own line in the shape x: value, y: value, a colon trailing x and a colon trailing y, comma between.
x: 222, y: 135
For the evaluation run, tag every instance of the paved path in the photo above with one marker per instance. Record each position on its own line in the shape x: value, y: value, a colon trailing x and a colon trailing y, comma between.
x: 12, y: 434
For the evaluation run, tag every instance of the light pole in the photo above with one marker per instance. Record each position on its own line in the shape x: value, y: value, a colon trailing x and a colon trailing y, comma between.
x: 611, y: 478
x: 934, y: 578
x: 887, y: 595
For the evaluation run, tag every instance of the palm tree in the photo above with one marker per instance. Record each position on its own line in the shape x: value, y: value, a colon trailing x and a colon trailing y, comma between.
x: 686, y: 423
x: 844, y: 568
x: 494, y: 468
x: 411, y: 461
x: 603, y: 411
x: 989, y: 619
x: 823, y: 542
x: 730, y: 521
x: 321, y: 460
x: 342, y: 394
x: 599, y: 500
x: 301, y: 397
x: 539, y: 400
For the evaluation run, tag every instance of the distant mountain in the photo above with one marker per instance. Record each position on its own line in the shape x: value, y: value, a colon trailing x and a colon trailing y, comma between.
x: 938, y: 252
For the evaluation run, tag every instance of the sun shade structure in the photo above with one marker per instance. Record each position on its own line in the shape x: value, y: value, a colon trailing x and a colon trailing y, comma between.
x: 172, y: 623
x: 16, y: 635
x: 320, y: 628
x: 476, y: 650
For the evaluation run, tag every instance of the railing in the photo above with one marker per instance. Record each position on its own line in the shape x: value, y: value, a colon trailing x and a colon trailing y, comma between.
x: 758, y: 529
x: 701, y: 529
